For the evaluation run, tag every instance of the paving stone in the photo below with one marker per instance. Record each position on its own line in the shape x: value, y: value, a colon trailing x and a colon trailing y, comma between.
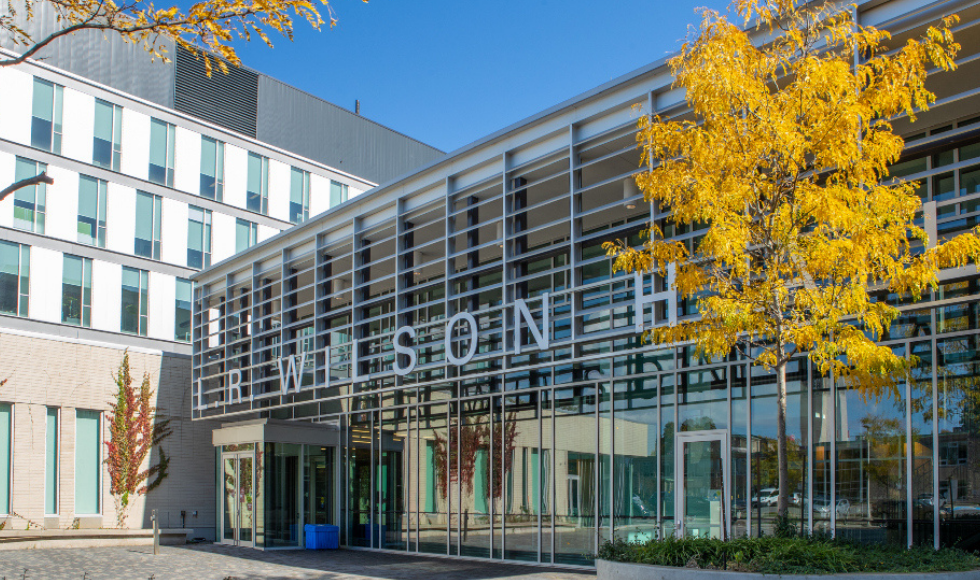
x: 220, y: 562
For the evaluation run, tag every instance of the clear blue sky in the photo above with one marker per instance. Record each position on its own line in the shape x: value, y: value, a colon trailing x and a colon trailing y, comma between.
x: 449, y: 72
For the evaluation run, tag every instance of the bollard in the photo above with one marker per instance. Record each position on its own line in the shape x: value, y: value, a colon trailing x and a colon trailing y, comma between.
x: 156, y: 533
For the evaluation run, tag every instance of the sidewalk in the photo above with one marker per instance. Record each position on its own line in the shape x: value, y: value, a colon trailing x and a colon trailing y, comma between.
x: 218, y: 562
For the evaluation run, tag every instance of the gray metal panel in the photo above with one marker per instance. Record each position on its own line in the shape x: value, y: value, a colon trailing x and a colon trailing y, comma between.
x: 103, y: 57
x: 311, y: 127
x: 228, y: 100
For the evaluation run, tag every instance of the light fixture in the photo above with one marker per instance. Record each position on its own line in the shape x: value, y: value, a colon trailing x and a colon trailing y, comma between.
x: 630, y: 190
x: 500, y: 233
x: 416, y: 260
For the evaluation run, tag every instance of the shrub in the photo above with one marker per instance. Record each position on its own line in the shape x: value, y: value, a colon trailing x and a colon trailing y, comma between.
x: 788, y: 555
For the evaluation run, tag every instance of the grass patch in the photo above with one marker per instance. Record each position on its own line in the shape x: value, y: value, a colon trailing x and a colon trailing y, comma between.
x: 773, y: 555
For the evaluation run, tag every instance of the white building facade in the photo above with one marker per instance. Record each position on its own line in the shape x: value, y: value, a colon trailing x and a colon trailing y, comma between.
x: 100, y: 262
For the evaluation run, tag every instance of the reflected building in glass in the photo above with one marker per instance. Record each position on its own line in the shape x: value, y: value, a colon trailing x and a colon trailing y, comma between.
x: 448, y: 364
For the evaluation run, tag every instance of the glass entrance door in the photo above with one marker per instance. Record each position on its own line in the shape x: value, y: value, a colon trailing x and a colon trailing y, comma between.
x: 702, y: 470
x: 237, y: 498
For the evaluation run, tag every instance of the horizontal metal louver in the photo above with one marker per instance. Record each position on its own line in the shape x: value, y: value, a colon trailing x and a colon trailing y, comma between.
x: 229, y: 100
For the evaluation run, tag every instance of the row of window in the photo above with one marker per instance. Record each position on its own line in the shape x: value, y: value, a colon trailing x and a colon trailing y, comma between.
x: 88, y: 460
x: 29, y: 215
x: 76, y: 292
x: 46, y: 134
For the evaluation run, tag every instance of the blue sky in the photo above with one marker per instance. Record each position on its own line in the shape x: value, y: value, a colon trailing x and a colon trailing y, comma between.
x: 449, y: 72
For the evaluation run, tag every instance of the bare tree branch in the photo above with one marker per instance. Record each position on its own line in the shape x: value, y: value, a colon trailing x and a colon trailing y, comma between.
x: 41, y: 178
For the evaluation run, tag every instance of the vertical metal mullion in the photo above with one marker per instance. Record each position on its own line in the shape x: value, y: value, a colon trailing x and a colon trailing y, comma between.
x: 597, y: 471
x: 554, y: 477
x: 748, y: 449
x: 459, y: 480
x: 571, y: 283
x: 908, y: 454
x: 935, y: 436
x: 809, y: 452
x: 833, y: 455
x: 449, y: 494
x: 660, y: 460
x: 503, y: 478
x: 493, y: 526
x: 537, y: 500
x: 612, y: 460
x: 373, y: 502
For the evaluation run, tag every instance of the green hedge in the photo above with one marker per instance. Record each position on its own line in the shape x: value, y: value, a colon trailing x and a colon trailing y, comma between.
x: 772, y: 555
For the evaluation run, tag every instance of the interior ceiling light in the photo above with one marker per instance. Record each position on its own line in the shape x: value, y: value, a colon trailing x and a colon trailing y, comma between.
x: 630, y: 190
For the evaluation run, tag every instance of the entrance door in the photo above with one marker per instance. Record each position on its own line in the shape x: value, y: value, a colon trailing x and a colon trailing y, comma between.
x: 702, y: 472
x: 237, y: 499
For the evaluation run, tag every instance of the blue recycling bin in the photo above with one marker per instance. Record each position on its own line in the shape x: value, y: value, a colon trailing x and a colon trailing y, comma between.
x: 322, y: 537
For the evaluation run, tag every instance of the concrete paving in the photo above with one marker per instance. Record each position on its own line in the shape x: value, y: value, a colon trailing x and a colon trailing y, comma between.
x: 219, y: 562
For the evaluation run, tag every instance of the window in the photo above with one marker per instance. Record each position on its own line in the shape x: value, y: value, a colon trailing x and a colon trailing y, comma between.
x: 161, y: 152
x: 46, y: 116
x: 212, y: 168
x: 299, y: 196
x: 245, y: 234
x: 953, y: 453
x: 51, y: 462
x: 148, y: 223
x: 76, y: 291
x: 91, y: 211
x: 182, y: 316
x: 338, y: 193
x: 15, y: 273
x: 135, y: 303
x: 257, y: 197
x: 107, y: 145
x: 87, y: 461
x: 29, y: 201
x: 6, y: 414
x: 198, y: 237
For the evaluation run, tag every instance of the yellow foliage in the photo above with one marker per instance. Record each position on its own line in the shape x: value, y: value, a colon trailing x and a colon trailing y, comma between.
x: 207, y: 28
x: 785, y: 160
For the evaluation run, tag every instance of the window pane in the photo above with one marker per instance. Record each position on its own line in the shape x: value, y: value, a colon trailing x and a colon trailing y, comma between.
x: 87, y: 464
x: 182, y: 316
x: 103, y: 141
x: 9, y: 273
x: 5, y: 421
x: 147, y: 206
x: 88, y: 210
x: 158, y: 151
x: 41, y: 114
x: 130, y: 321
x: 25, y: 199
x: 71, y: 294
x: 51, y: 463
x: 256, y: 181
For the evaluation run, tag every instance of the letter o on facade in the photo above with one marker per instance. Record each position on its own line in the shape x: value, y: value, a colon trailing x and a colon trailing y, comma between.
x: 474, y: 339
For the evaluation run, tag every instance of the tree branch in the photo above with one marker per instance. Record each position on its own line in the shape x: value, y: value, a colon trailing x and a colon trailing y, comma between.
x: 41, y: 178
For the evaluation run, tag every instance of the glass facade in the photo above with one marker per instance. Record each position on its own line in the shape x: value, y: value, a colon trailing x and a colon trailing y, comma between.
x: 212, y: 169
x: 198, y: 237
x: 149, y: 225
x: 51, y: 462
x: 299, y: 195
x: 257, y: 191
x: 485, y: 368
x: 6, y: 439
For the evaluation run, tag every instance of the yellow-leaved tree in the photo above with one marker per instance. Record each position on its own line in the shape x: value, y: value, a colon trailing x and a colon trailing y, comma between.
x: 783, y: 162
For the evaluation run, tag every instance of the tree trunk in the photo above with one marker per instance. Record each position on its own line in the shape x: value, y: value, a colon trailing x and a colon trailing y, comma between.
x: 782, y: 504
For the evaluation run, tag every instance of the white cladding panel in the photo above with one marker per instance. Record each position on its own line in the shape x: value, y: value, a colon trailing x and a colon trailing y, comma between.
x: 15, y: 105
x: 161, y: 314
x: 236, y: 175
x: 187, y: 161
x: 173, y: 240
x: 79, y: 125
x: 222, y: 237
x: 120, y: 218
x: 279, y: 190
x: 265, y: 232
x: 7, y: 163
x: 106, y: 295
x: 319, y: 194
x: 46, y: 268
x: 61, y: 220
x: 353, y: 192
x: 135, y: 144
